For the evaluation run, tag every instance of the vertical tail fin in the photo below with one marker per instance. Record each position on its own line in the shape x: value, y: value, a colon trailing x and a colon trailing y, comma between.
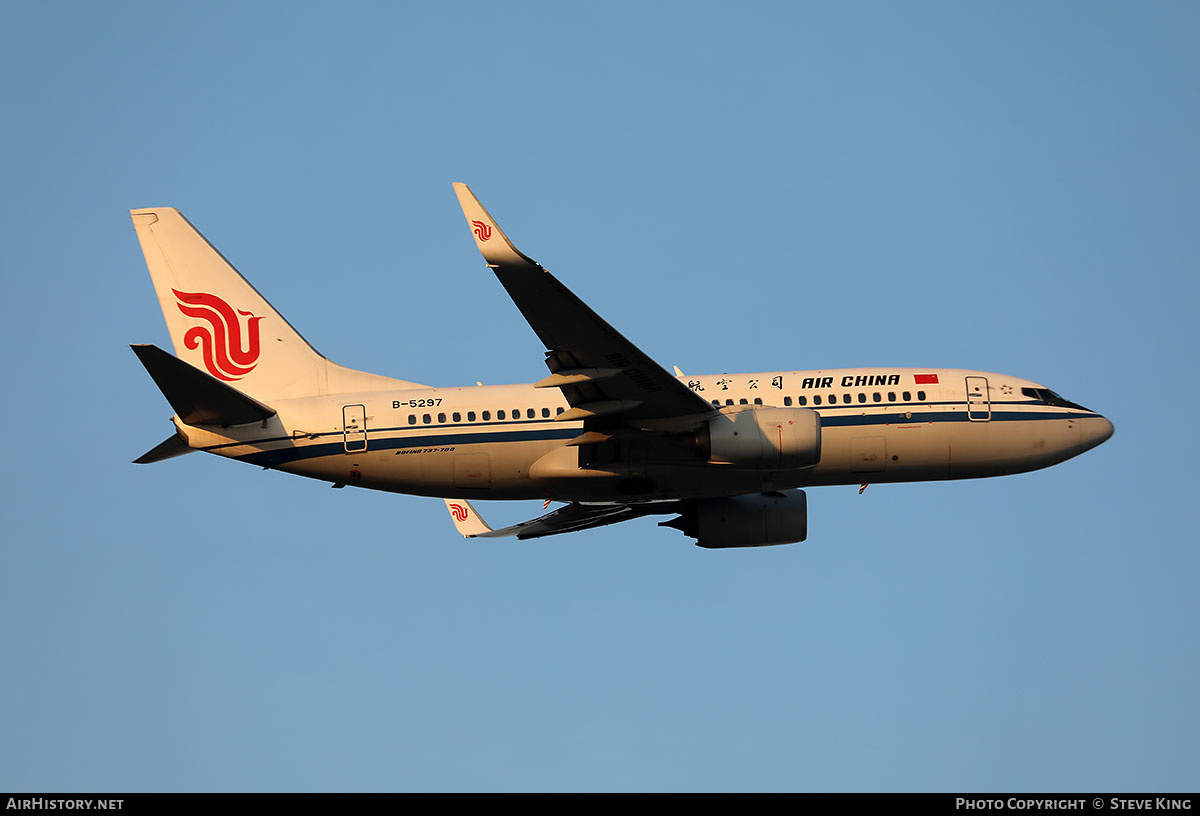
x: 221, y: 324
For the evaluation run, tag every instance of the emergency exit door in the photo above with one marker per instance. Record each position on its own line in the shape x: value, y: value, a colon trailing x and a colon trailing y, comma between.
x: 354, y: 427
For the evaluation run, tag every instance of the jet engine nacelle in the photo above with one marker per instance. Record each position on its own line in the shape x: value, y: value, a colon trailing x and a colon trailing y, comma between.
x: 774, y: 438
x: 746, y: 521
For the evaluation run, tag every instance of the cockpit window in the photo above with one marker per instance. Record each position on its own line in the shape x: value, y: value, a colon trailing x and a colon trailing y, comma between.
x: 1050, y: 398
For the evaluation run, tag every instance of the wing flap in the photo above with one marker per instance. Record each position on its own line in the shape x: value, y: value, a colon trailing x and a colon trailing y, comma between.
x: 575, y: 517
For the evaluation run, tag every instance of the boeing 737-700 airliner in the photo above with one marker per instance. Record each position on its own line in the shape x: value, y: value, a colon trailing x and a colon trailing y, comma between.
x: 609, y: 431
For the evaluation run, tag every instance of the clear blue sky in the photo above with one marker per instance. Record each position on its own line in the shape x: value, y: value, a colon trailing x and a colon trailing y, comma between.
x: 1003, y: 186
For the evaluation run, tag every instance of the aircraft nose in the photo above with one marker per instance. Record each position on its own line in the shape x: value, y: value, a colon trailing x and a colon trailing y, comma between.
x: 1093, y: 431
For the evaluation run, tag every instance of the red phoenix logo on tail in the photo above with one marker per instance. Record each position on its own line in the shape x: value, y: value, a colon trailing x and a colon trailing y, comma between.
x: 482, y: 231
x: 459, y: 512
x: 220, y: 342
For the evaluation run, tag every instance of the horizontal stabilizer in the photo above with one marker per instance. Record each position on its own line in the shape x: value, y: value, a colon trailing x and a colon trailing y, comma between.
x: 169, y: 448
x: 198, y: 398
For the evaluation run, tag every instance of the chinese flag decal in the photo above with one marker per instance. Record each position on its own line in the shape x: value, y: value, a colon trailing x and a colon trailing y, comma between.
x: 925, y: 379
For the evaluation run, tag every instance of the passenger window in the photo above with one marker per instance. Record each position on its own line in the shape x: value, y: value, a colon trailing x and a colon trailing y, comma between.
x: 743, y: 401
x: 833, y: 399
x: 802, y: 400
x: 500, y: 414
x: 846, y: 398
x: 412, y: 419
x: 560, y: 410
x: 816, y: 399
x: 545, y: 413
x: 426, y: 418
x: 457, y: 416
x: 729, y: 402
x: 470, y: 416
x: 787, y: 400
x: 891, y: 396
x: 516, y: 413
x: 441, y: 418
x: 862, y: 397
x: 907, y: 396
x: 920, y: 396
x: 529, y: 413
x: 877, y: 396
x: 487, y: 415
x: 758, y: 400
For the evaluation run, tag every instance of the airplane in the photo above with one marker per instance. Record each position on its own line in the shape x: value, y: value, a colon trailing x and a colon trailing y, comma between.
x: 609, y: 432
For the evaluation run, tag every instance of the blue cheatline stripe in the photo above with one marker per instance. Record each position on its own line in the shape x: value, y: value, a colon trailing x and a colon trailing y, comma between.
x: 404, y: 428
x: 274, y: 458
x: 824, y: 410
x: 514, y: 433
x: 846, y: 420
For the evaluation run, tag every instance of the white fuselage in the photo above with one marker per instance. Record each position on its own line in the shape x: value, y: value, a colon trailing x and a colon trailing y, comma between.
x: 503, y: 442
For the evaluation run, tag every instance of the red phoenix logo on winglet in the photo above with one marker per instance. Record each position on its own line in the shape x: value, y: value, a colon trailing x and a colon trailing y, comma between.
x: 459, y: 512
x: 220, y: 342
x: 482, y: 231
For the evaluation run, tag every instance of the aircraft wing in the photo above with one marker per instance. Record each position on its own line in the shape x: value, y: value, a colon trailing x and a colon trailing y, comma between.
x: 602, y: 375
x: 568, y: 519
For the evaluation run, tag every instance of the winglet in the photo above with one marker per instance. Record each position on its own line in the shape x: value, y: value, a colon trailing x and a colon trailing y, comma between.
x: 493, y: 244
x: 466, y: 519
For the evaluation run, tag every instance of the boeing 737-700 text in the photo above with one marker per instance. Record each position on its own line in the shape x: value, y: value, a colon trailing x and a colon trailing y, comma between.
x: 609, y: 431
